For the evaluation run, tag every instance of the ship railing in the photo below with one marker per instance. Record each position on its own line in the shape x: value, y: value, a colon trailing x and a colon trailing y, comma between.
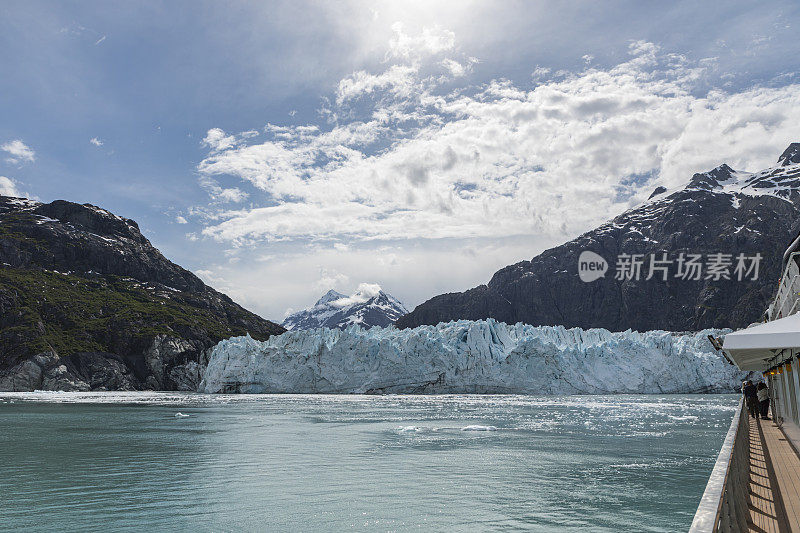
x: 787, y: 299
x: 724, y: 505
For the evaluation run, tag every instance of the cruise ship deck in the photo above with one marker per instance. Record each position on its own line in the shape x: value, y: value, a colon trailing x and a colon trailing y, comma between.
x: 755, y: 483
x: 774, y: 480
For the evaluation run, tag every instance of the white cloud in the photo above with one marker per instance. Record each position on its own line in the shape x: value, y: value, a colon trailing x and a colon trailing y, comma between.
x: 419, y: 160
x: 8, y: 187
x: 397, y: 78
x: 456, y: 69
x: 232, y: 194
x: 180, y: 220
x: 540, y: 72
x: 363, y: 292
x: 213, y: 279
x: 431, y: 41
x: 222, y: 195
x: 329, y: 279
x: 95, y: 141
x: 217, y: 140
x: 412, y: 271
x: 19, y: 152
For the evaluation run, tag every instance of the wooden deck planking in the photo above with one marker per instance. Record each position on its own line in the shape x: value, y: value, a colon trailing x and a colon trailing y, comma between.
x: 763, y: 511
x: 786, y: 468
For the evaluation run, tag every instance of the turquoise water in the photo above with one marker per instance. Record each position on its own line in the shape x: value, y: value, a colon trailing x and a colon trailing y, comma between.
x: 136, y: 461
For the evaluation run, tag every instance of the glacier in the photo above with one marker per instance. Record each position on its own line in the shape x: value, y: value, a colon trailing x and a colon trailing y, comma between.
x: 482, y: 356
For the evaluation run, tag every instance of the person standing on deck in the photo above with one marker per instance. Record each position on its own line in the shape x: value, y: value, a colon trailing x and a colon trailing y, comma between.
x: 751, y: 397
x: 763, y: 400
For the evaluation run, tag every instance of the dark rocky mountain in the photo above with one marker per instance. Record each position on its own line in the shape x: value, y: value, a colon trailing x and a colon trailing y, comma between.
x: 87, y: 303
x: 719, y: 212
x: 369, y: 306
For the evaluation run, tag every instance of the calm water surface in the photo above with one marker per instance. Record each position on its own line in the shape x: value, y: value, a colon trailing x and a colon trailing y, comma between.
x: 160, y: 461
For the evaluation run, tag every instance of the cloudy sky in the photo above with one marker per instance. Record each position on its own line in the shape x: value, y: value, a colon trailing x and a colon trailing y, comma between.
x: 282, y: 149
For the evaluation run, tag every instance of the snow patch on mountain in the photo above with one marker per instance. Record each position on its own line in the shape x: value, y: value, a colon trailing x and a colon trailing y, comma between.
x: 330, y: 296
x: 781, y: 181
x: 368, y: 306
x: 465, y: 356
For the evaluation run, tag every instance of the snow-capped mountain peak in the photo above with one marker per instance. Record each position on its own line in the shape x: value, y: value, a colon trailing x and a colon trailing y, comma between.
x: 781, y: 181
x: 721, y: 211
x: 368, y: 306
x: 790, y: 156
x: 713, y: 178
x: 329, y: 296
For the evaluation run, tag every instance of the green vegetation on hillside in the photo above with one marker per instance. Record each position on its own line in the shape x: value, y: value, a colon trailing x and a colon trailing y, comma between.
x: 70, y: 313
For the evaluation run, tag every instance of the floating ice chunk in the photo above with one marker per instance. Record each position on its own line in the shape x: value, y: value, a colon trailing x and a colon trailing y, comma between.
x: 479, y: 428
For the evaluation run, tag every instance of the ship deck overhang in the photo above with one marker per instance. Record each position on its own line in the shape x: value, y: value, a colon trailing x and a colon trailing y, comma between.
x: 758, y: 347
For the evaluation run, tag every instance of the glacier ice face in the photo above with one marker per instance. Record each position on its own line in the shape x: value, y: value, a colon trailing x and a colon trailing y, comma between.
x: 465, y: 356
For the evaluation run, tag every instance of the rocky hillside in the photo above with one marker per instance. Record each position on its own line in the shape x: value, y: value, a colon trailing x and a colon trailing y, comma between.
x: 367, y: 307
x: 722, y: 211
x: 87, y: 303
